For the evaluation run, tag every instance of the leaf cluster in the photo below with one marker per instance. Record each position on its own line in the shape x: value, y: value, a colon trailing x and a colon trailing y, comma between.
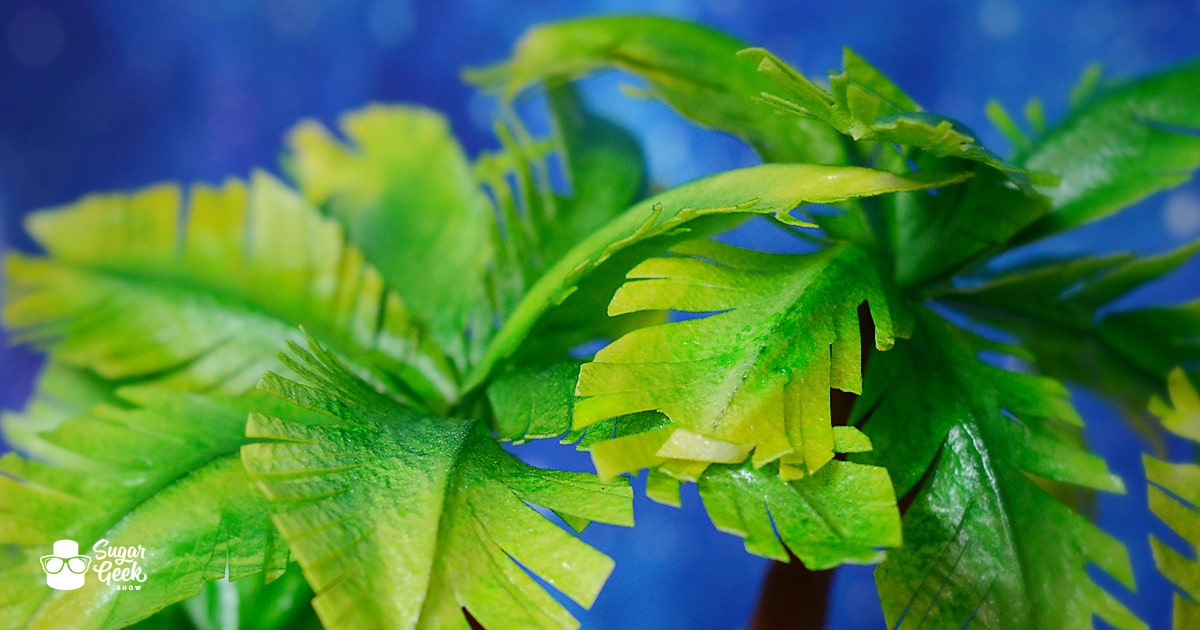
x: 297, y: 388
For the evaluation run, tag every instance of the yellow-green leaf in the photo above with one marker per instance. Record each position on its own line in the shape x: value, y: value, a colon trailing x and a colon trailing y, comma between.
x: 404, y: 520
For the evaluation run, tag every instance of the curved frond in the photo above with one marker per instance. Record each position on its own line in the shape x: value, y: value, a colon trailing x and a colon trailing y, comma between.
x: 678, y: 215
x: 202, y: 297
x: 404, y: 520
x: 404, y: 191
x: 165, y: 475
x: 756, y: 375
x: 692, y: 68
x: 980, y: 448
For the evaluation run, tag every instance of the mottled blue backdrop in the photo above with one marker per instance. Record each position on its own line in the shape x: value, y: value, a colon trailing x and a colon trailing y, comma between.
x: 114, y: 94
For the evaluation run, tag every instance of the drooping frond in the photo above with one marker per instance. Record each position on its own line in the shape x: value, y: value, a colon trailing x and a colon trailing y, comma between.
x: 692, y: 68
x: 202, y: 297
x: 404, y: 520
x: 1118, y: 147
x: 1061, y: 310
x: 683, y: 213
x: 152, y: 467
x: 983, y: 542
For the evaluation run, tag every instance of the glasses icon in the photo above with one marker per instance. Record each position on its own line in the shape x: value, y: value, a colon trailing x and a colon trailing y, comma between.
x: 73, y: 564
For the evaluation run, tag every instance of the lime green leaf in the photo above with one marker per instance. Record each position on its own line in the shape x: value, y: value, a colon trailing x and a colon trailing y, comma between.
x: 1118, y: 148
x: 165, y: 475
x: 406, y: 195
x: 1060, y: 310
x: 692, y: 68
x: 61, y: 394
x: 756, y: 375
x: 1182, y: 416
x: 133, y: 288
x: 1175, y: 496
x: 768, y: 189
x: 842, y: 514
x: 866, y: 105
x: 404, y: 520
x: 983, y: 543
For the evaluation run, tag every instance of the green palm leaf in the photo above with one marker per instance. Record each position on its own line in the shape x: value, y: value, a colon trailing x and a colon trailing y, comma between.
x: 1063, y: 312
x: 164, y: 474
x: 680, y: 214
x: 1118, y: 147
x: 756, y: 375
x: 844, y: 513
x: 202, y: 297
x: 604, y: 171
x: 694, y: 69
x: 864, y: 104
x: 404, y: 191
x: 404, y: 520
x: 983, y: 543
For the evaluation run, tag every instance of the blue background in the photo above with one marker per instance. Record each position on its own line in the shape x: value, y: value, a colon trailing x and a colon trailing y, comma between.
x: 116, y: 94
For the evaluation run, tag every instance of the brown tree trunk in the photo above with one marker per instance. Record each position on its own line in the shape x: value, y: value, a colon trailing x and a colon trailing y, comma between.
x: 793, y: 597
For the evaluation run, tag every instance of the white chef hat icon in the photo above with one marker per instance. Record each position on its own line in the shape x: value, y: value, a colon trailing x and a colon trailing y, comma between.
x: 65, y: 568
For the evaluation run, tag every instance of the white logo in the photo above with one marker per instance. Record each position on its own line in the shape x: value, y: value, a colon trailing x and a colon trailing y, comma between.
x: 115, y: 565
x: 65, y: 568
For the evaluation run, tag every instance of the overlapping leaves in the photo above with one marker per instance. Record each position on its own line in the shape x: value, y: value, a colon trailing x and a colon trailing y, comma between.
x: 404, y: 520
x: 1061, y: 311
x: 405, y: 193
x: 144, y: 466
x: 133, y: 288
x: 681, y: 214
x: 983, y: 541
x: 693, y: 68
x: 756, y: 375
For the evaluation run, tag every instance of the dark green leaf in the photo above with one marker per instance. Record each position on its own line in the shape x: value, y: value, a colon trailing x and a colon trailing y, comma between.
x: 1118, y: 148
x: 983, y: 543
x: 1060, y: 310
